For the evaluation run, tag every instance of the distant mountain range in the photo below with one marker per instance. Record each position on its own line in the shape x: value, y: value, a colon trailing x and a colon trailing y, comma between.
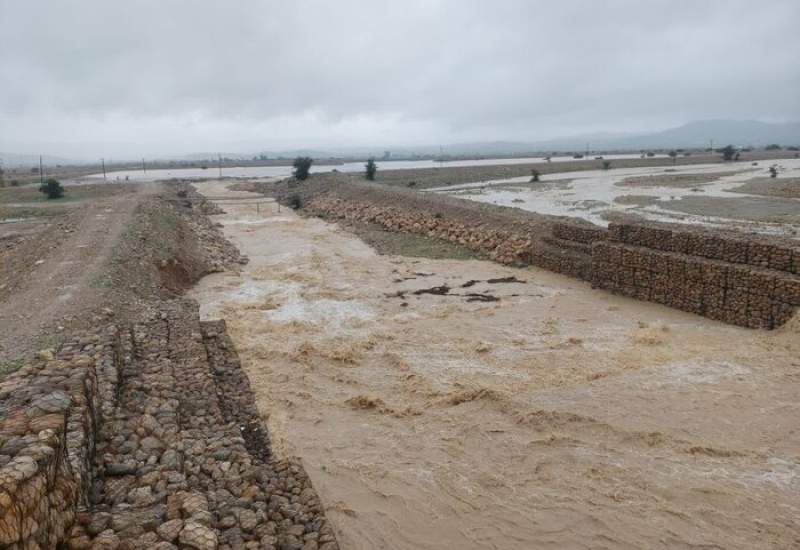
x: 698, y: 134
x: 10, y: 160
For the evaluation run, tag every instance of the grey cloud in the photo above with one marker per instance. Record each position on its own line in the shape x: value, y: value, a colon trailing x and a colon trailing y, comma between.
x: 155, y: 73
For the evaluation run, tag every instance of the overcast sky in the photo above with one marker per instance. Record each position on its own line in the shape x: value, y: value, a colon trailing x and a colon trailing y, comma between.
x: 105, y: 77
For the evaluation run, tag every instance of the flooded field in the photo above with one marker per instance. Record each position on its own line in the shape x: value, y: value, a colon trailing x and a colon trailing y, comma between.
x: 552, y: 416
x: 285, y: 171
x: 663, y: 194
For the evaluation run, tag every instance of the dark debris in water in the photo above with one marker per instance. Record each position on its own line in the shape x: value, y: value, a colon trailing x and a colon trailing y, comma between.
x: 473, y: 282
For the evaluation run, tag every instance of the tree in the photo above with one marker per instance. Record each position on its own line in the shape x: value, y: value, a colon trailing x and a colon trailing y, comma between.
x: 606, y: 164
x: 52, y: 188
x: 728, y: 152
x: 673, y: 155
x: 371, y: 169
x: 773, y: 172
x: 772, y: 147
x: 534, y: 175
x: 302, y: 167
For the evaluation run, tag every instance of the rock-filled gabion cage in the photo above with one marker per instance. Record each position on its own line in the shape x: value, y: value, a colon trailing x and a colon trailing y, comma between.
x: 147, y: 437
x: 749, y: 281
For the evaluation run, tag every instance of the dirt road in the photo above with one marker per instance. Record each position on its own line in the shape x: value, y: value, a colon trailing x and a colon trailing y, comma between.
x: 556, y: 416
x: 65, y: 277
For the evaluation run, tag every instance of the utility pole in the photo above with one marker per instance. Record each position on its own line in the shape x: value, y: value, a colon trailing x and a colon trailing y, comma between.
x: 41, y: 171
x: 219, y: 163
x: 103, y: 162
x: 144, y: 167
x: 711, y: 142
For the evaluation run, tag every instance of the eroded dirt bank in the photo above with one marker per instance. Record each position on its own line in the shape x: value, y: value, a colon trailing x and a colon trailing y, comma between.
x: 553, y: 417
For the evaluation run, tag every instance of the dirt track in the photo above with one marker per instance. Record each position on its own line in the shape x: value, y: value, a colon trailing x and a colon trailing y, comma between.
x: 558, y: 416
x: 57, y: 278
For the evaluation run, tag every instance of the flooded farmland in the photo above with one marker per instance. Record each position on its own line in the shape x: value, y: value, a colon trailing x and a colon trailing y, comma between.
x: 671, y: 194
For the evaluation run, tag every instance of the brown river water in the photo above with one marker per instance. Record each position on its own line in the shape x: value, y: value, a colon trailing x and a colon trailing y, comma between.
x: 556, y: 417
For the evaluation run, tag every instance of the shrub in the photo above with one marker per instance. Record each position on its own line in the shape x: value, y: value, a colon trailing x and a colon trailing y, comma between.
x: 773, y: 172
x: 371, y: 169
x: 52, y: 188
x: 534, y: 175
x: 295, y: 201
x: 15, y: 183
x: 606, y: 164
x: 302, y: 167
x: 728, y: 152
x: 772, y: 147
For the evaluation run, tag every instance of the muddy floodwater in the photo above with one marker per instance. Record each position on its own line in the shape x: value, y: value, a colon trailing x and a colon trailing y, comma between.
x: 553, y: 416
x: 594, y: 195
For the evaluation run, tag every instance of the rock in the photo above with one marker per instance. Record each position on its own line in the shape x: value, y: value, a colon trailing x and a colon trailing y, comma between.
x: 170, y: 459
x: 81, y: 542
x: 194, y: 502
x: 289, y: 542
x: 296, y: 530
x: 170, y: 530
x: 174, y: 504
x: 99, y: 523
x: 203, y: 517
x: 227, y: 522
x: 142, y: 496
x: 150, y: 444
x: 46, y: 355
x: 107, y: 540
x: 196, y: 535
x: 22, y: 468
x: 147, y: 540
x: 118, y: 469
x: 247, y: 520
x: 268, y: 541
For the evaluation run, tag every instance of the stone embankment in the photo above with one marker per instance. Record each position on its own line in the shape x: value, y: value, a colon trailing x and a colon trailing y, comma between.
x: 741, y: 279
x: 519, y: 239
x: 143, y: 432
x: 745, y: 280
